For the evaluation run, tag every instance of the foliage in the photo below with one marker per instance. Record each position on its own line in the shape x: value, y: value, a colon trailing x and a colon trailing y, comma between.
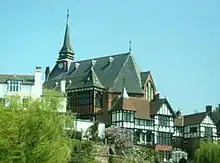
x: 34, y: 133
x: 92, y: 132
x: 125, y: 147
x: 217, y: 112
x: 119, y: 137
x: 208, y: 152
x: 82, y: 152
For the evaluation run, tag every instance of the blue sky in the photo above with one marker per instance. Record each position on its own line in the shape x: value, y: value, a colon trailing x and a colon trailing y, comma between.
x: 178, y: 40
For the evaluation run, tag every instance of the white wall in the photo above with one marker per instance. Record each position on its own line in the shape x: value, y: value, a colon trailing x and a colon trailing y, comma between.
x: 3, y: 90
x: 83, y: 125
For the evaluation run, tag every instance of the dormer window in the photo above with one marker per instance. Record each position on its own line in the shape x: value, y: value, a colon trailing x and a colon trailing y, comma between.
x: 14, y: 86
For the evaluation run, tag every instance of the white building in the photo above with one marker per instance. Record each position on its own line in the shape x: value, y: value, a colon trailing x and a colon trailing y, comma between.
x: 25, y: 86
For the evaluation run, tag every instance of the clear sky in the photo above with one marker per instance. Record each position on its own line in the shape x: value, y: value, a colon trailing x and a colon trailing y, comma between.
x: 177, y: 40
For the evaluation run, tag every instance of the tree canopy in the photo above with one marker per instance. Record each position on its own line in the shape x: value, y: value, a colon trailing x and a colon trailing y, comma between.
x: 33, y: 132
x: 208, y: 152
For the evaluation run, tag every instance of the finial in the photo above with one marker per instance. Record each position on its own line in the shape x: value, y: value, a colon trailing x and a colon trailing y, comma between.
x: 123, y: 82
x: 67, y: 16
x: 130, y: 46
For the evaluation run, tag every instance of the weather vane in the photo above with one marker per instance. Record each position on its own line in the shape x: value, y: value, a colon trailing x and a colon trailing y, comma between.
x: 130, y: 46
x: 67, y: 16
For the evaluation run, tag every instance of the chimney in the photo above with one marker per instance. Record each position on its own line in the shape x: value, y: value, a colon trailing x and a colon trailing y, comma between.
x: 63, y: 86
x: 157, y: 96
x: 47, y: 73
x: 208, y: 108
x: 110, y: 60
x: 76, y: 65
x: 37, y: 89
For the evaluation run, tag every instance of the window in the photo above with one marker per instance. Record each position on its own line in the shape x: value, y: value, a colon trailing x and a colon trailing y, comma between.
x: 164, y: 138
x: 179, y: 129
x: 113, y: 116
x: 193, y: 129
x: 128, y: 116
x: 14, y: 86
x: 84, y: 98
x: 164, y: 120
x: 149, y: 135
x: 208, y: 131
x: 99, y: 100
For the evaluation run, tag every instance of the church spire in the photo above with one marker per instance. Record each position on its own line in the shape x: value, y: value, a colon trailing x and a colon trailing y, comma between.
x: 66, y: 51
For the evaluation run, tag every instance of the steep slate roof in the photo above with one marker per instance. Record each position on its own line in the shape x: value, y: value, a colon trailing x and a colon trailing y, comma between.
x: 26, y: 79
x: 110, y: 75
x: 156, y: 104
x: 144, y: 76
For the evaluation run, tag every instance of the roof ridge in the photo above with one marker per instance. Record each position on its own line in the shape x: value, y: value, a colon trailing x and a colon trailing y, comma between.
x: 103, y: 57
x: 194, y: 114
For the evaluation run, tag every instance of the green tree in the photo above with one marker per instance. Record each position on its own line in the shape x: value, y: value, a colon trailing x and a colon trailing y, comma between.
x: 217, y: 112
x: 208, y: 152
x: 82, y: 152
x: 34, y: 133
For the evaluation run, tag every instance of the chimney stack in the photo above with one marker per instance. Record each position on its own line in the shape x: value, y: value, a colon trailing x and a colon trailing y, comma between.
x: 63, y: 86
x: 47, y: 73
x: 208, y: 108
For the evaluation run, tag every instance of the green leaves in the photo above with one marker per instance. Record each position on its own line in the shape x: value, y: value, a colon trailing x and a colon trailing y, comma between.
x: 208, y: 152
x: 34, y: 133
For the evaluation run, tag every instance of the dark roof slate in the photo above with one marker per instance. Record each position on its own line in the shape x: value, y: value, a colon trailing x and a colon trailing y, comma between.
x: 193, y: 119
x: 197, y: 118
x: 144, y: 76
x: 26, y: 79
x: 110, y: 75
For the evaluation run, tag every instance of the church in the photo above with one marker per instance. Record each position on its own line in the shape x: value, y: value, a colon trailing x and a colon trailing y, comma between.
x: 113, y: 90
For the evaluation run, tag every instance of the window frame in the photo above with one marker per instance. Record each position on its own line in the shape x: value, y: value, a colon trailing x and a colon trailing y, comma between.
x: 14, y: 86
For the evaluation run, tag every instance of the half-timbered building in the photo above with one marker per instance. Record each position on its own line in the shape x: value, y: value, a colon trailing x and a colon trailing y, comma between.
x: 189, y: 129
x: 113, y: 90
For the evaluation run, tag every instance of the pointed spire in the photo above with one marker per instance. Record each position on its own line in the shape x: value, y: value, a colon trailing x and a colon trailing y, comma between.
x: 124, y: 91
x: 66, y: 51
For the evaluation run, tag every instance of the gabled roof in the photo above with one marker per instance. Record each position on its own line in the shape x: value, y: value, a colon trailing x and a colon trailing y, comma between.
x: 157, y: 103
x: 26, y: 79
x: 196, y: 118
x: 144, y: 76
x: 110, y: 70
x: 140, y: 106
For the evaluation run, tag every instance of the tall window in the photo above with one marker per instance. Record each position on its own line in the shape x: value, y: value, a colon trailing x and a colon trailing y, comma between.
x: 84, y: 97
x: 99, y: 100
x: 164, y: 138
x: 193, y: 129
x: 149, y: 92
x: 208, y: 131
x: 163, y: 120
x: 14, y: 86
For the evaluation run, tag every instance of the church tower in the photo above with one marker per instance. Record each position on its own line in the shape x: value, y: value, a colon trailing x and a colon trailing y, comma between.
x: 66, y: 54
